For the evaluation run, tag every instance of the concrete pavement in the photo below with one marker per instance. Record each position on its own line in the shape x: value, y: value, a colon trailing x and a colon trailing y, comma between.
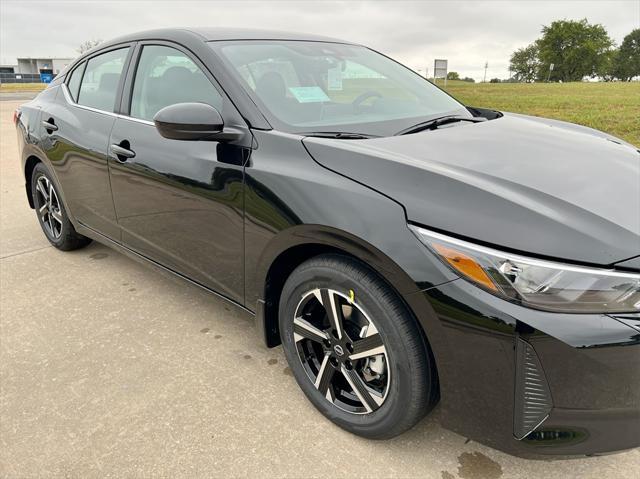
x: 19, y: 96
x: 110, y: 369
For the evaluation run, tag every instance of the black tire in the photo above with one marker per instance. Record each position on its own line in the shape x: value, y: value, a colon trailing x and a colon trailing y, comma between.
x: 54, y: 221
x: 412, y: 384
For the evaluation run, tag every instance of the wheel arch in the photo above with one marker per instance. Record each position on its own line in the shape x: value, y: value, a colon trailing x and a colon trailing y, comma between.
x: 29, y: 166
x: 298, y: 244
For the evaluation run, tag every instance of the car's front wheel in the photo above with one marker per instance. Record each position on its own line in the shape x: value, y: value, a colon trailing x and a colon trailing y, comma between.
x: 51, y: 212
x: 355, y: 349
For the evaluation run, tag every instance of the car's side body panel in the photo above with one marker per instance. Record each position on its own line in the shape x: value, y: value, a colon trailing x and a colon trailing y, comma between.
x: 179, y: 205
x: 78, y: 155
x: 288, y: 203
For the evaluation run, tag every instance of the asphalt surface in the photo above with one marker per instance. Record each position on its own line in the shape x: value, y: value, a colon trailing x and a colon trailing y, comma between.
x: 111, y: 369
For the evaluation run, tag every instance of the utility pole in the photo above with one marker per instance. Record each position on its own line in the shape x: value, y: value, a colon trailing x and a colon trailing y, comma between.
x: 486, y: 65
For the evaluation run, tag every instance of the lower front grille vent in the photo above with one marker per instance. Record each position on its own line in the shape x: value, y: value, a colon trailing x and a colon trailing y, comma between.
x: 532, y: 396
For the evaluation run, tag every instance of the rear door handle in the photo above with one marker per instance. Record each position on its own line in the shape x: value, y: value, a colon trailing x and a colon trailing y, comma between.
x: 121, y: 153
x: 49, y: 126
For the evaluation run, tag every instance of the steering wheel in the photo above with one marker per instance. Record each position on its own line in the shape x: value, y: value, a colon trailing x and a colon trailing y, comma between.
x: 357, y: 102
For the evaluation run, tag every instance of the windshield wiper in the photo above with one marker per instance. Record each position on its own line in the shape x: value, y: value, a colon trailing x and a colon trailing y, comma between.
x: 437, y: 122
x: 338, y: 135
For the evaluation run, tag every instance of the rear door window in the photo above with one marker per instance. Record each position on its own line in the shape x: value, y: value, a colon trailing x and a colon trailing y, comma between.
x: 101, y: 78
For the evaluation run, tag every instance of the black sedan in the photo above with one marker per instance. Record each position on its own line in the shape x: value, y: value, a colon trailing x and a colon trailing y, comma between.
x: 402, y: 247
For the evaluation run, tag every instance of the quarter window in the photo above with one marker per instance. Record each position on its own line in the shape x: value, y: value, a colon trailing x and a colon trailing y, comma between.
x: 74, y: 81
x: 100, y: 81
x: 166, y: 76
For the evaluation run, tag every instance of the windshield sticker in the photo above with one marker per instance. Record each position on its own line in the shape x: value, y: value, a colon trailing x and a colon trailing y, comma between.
x: 334, y: 78
x: 309, y: 94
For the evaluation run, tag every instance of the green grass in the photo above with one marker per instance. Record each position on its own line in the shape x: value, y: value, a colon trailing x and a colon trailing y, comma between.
x: 610, y: 107
x: 20, y: 87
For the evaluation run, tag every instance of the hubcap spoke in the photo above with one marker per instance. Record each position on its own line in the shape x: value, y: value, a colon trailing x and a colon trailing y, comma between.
x: 369, y: 346
x: 54, y: 198
x: 49, y: 224
x: 303, y: 329
x: 325, y: 375
x: 44, y: 209
x: 56, y: 216
x: 368, y: 400
x: 42, y: 187
x: 334, y: 312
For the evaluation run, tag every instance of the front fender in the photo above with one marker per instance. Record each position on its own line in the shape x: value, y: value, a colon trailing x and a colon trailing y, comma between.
x: 293, y: 202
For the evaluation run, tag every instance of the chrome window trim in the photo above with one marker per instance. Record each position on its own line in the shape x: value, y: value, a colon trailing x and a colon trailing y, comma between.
x: 69, y: 100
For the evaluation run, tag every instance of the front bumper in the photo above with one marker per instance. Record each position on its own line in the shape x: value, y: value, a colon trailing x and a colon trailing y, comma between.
x: 533, y: 383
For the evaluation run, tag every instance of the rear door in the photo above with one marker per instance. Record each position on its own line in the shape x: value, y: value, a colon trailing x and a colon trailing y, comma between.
x: 179, y: 203
x: 81, y: 120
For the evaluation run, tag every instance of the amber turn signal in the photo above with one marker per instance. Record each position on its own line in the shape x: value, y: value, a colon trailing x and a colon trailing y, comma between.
x: 465, y: 265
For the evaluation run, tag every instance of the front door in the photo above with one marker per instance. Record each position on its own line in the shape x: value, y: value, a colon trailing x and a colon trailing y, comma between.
x: 179, y: 203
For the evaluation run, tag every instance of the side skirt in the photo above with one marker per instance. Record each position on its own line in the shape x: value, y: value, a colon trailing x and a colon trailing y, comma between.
x: 105, y: 240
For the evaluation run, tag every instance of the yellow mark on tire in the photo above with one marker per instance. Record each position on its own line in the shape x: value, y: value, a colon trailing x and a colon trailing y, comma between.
x: 352, y: 296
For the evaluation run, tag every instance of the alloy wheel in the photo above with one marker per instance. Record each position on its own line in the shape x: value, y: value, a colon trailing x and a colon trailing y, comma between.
x: 48, y: 207
x: 341, y: 351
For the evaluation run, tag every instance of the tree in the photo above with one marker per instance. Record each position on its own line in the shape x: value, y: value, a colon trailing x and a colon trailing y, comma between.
x: 495, y: 80
x: 525, y: 64
x: 627, y: 60
x: 607, y: 67
x: 88, y: 45
x: 453, y: 76
x: 468, y: 79
x: 575, y: 48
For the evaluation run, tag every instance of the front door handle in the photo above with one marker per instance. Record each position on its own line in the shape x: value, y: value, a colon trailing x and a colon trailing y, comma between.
x: 121, y: 152
x: 49, y: 125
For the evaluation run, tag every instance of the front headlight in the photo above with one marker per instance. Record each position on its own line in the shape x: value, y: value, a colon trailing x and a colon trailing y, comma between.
x: 536, y: 283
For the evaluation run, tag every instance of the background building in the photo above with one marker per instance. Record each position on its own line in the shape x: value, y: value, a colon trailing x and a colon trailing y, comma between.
x: 33, y: 70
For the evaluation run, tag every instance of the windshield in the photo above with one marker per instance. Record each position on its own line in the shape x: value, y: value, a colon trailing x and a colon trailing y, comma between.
x: 306, y: 87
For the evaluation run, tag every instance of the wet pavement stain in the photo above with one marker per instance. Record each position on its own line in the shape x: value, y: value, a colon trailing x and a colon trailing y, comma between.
x: 271, y: 362
x: 287, y: 371
x: 205, y: 330
x: 247, y: 356
x: 98, y: 255
x: 131, y: 290
x: 447, y: 475
x: 218, y: 336
x: 476, y: 465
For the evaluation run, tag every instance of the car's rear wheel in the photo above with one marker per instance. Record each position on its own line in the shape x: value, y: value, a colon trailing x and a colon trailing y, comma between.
x: 51, y: 212
x: 355, y: 349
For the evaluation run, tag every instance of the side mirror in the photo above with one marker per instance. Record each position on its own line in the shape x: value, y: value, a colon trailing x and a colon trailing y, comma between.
x: 192, y: 122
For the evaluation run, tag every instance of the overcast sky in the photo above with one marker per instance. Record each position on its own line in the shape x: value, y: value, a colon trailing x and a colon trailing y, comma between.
x: 467, y: 33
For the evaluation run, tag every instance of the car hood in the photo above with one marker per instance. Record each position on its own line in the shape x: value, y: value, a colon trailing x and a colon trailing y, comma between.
x: 534, y: 186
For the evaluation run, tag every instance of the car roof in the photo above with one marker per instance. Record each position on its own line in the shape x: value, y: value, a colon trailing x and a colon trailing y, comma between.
x: 208, y: 34
x: 213, y: 34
